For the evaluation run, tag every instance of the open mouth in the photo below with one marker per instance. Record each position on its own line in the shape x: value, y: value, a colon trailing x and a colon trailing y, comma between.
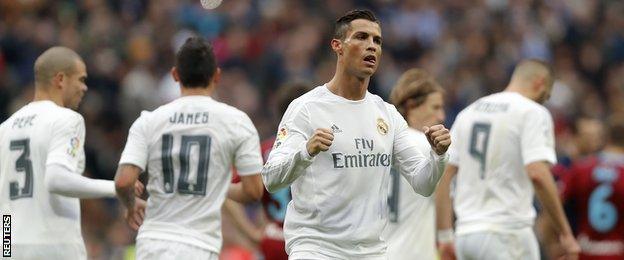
x: 370, y: 60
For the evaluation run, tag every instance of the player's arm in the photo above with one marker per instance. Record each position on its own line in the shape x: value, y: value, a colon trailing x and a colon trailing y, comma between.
x: 422, y: 173
x: 248, y: 163
x: 444, y: 214
x: 133, y: 161
x: 546, y: 192
x: 241, y: 221
x: 249, y: 189
x: 65, y: 155
x: 125, y: 178
x: 60, y: 180
x: 294, y: 149
x: 538, y: 154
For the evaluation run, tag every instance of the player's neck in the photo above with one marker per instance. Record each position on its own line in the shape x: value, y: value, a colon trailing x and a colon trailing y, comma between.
x: 348, y: 86
x: 207, y: 91
x: 521, y: 90
x: 41, y: 95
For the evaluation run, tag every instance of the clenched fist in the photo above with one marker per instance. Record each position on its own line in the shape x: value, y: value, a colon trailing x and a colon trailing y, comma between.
x: 439, y: 138
x: 321, y: 140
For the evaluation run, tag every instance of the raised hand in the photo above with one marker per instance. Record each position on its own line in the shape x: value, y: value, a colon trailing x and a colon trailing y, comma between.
x: 320, y: 141
x: 439, y: 138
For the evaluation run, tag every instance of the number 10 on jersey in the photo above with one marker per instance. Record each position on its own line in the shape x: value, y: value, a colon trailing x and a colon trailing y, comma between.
x: 184, y: 185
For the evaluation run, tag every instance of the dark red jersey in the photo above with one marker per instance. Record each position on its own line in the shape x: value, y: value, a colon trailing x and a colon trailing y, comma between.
x: 274, y: 205
x: 594, y: 188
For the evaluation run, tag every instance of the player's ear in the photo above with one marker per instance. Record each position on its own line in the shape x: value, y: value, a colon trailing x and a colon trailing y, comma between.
x: 216, y: 77
x: 174, y: 74
x: 59, y: 79
x: 336, y: 45
x: 539, y: 84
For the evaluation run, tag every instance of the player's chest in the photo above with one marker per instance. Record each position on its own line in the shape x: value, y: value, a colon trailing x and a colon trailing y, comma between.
x: 358, y: 130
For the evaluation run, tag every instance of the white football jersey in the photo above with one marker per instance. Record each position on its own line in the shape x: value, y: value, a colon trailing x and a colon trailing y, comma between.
x: 339, y: 202
x: 410, y: 233
x: 188, y: 148
x: 493, y: 139
x: 41, y: 134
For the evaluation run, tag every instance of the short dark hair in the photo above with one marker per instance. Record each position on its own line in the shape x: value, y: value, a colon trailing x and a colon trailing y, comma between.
x: 289, y: 92
x: 344, y: 22
x: 615, y: 125
x: 195, y: 63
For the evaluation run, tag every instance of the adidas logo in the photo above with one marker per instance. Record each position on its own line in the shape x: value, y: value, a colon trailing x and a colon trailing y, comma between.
x: 335, y: 129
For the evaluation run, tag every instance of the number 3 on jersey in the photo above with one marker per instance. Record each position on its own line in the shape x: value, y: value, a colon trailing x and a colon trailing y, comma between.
x: 23, y: 164
x: 184, y: 185
x: 479, y: 137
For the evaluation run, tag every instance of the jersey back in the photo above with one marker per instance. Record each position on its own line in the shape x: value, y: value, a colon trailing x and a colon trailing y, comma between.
x: 595, y: 188
x: 189, y: 147
x: 493, y: 139
x: 39, y: 134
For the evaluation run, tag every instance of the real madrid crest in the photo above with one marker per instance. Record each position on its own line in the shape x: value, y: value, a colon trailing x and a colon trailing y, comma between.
x: 382, y: 127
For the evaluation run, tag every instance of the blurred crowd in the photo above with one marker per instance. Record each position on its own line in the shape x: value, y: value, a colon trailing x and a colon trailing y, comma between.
x: 471, y: 46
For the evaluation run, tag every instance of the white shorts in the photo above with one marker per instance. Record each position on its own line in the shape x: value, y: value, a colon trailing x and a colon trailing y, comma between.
x: 148, y: 248
x: 518, y: 244
x: 38, y: 251
x: 309, y: 255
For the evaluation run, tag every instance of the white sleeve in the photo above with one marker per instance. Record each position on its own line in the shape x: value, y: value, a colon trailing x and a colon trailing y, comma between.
x: 66, y: 146
x: 289, y: 157
x: 136, y: 149
x: 62, y: 181
x: 422, y: 172
x: 537, y: 137
x: 453, y: 151
x: 248, y: 159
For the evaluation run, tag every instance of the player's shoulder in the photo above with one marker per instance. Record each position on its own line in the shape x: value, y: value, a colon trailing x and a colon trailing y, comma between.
x: 523, y: 104
x: 584, y: 165
x: 317, y: 94
x: 60, y: 115
x: 514, y: 103
x: 228, y: 113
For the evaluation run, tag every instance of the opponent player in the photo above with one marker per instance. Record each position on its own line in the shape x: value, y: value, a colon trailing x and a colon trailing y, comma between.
x: 502, y: 152
x: 410, y: 234
x: 595, y: 188
x: 42, y: 160
x: 270, y: 237
x: 336, y: 145
x: 188, y: 147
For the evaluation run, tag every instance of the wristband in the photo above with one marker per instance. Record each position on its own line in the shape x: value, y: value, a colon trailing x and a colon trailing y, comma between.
x: 446, y: 236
